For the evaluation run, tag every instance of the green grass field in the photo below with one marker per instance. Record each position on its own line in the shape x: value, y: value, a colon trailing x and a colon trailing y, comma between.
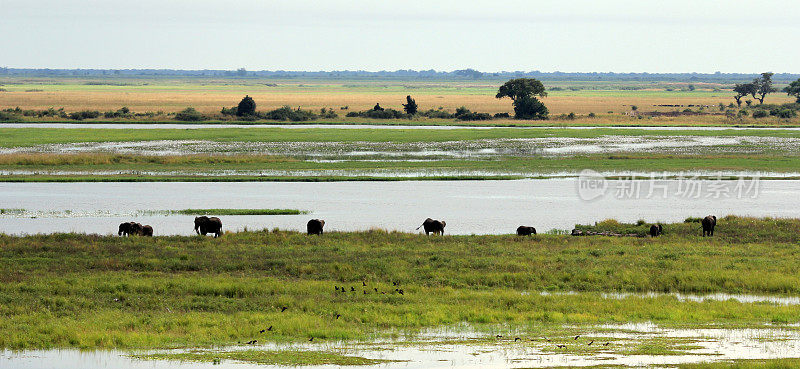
x: 88, y: 291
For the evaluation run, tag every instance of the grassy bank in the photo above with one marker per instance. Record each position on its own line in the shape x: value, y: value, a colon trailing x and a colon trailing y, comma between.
x: 71, y: 290
x: 101, y: 167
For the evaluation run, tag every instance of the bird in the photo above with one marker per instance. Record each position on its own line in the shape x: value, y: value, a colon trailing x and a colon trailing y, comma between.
x: 394, y: 283
x: 269, y: 329
x: 336, y: 287
x: 576, y: 337
x: 311, y: 339
x: 400, y: 291
x: 376, y: 289
x: 516, y: 339
x: 365, y: 292
x: 283, y: 309
x: 338, y: 315
x: 352, y: 289
x: 498, y: 336
x: 547, y: 339
x: 590, y: 343
x: 363, y: 284
x: 561, y: 346
x: 262, y: 331
x: 252, y: 342
x: 606, y: 344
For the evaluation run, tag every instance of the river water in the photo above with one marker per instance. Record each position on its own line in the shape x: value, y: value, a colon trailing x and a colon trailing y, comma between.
x: 468, y: 207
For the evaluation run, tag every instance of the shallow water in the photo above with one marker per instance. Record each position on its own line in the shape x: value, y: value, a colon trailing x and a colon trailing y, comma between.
x: 461, y: 149
x: 436, y: 349
x: 682, y: 297
x: 468, y: 207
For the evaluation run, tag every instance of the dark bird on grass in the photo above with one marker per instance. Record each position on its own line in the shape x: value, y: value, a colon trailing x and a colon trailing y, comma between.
x: 363, y: 284
x: 606, y: 344
x: 283, y: 309
x: 546, y: 339
x: 262, y: 331
x: 576, y: 337
x: 394, y: 283
x: 516, y: 339
x: 352, y: 289
x: 365, y: 292
x: 311, y: 339
x: 590, y: 343
x: 338, y: 316
x: 336, y: 287
x: 376, y: 289
x: 400, y: 291
x: 498, y: 336
x: 252, y: 342
x: 561, y: 346
x: 269, y: 329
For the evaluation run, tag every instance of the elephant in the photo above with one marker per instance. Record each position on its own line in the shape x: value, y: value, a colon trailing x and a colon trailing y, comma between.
x: 147, y: 231
x: 136, y: 228
x: 435, y: 226
x: 125, y: 229
x: 709, y: 223
x: 315, y: 226
x: 656, y: 230
x: 205, y: 225
x: 525, y: 231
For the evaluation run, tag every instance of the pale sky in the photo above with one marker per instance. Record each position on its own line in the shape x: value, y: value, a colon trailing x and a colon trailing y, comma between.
x: 564, y: 35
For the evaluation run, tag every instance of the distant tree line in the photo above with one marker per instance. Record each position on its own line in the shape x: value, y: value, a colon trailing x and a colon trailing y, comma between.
x: 430, y: 74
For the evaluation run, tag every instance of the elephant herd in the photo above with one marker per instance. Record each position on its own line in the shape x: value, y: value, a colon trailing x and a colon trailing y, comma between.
x: 135, y: 229
x: 212, y: 225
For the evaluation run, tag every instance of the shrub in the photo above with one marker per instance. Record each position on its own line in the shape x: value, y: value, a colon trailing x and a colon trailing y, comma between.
x: 592, y: 115
x: 410, y: 106
x: 246, y: 107
x: 190, y: 115
x: 463, y: 113
x: 760, y: 113
x: 84, y: 114
x: 123, y: 112
x: 6, y: 116
x: 379, y: 114
x: 786, y: 113
x: 287, y: 113
x: 502, y: 115
x: 228, y: 111
x: 327, y: 113
x: 438, y: 114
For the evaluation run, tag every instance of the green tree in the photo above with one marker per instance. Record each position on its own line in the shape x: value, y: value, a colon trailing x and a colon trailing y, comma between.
x: 246, y: 107
x: 793, y: 89
x: 763, y: 86
x: 410, y: 106
x: 523, y: 93
x: 742, y: 90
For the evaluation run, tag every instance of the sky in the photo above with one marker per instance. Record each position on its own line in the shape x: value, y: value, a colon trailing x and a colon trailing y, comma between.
x: 501, y: 35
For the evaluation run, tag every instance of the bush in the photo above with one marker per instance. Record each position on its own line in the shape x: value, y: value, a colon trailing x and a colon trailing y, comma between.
x: 760, y: 113
x: 502, y: 115
x: 463, y: 113
x: 328, y: 113
x: 6, y: 116
x: 437, y: 114
x: 287, y: 113
x: 123, y: 112
x: 84, y: 114
x: 379, y: 114
x: 246, y: 107
x: 786, y: 113
x: 592, y: 115
x: 228, y: 111
x: 190, y: 115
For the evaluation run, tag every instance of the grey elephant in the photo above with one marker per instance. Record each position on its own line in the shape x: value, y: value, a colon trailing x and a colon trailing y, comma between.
x: 525, y: 231
x: 315, y: 226
x: 656, y: 230
x: 432, y: 225
x: 709, y: 223
x: 205, y: 225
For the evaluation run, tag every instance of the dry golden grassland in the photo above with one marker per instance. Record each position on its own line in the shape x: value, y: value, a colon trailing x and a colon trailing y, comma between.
x: 210, y: 96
